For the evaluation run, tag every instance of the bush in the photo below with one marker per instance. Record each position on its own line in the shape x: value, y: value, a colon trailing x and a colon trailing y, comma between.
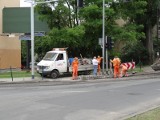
x: 136, y: 52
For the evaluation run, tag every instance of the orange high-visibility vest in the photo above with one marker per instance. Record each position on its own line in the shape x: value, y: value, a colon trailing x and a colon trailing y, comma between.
x: 75, y: 64
x: 116, y: 62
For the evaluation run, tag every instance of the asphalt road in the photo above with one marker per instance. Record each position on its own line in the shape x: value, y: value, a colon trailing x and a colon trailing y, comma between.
x: 112, y: 100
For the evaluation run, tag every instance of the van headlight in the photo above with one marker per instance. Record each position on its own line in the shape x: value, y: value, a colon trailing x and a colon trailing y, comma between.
x: 47, y: 67
x: 43, y: 67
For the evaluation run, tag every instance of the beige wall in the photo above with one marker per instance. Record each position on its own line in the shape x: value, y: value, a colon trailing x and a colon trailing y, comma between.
x: 10, y: 47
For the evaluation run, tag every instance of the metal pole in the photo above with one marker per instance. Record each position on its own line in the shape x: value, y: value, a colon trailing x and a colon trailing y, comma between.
x: 106, y: 58
x: 11, y: 73
x: 158, y: 20
x: 28, y: 54
x: 32, y: 37
x: 106, y: 61
x: 32, y: 31
x: 103, y: 36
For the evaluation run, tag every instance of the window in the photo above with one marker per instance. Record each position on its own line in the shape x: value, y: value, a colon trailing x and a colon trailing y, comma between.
x: 50, y: 56
x: 60, y: 57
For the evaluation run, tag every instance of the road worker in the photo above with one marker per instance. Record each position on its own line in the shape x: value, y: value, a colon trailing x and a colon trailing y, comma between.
x: 95, y: 65
x: 99, y: 59
x: 70, y: 60
x: 75, y: 64
x: 123, y: 70
x: 116, y: 64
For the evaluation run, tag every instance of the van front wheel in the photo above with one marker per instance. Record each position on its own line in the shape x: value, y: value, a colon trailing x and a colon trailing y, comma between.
x: 54, y: 74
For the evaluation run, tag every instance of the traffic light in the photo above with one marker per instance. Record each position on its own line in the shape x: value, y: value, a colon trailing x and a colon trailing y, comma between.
x: 109, y: 43
x: 106, y: 46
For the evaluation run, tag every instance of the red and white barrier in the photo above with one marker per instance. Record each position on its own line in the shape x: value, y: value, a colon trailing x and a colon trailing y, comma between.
x: 129, y: 65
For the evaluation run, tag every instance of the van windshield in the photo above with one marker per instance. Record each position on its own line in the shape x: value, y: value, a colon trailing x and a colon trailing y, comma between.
x: 50, y: 56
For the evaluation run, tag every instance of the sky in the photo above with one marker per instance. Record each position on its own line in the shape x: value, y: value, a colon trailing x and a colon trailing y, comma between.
x: 27, y: 4
x: 24, y: 4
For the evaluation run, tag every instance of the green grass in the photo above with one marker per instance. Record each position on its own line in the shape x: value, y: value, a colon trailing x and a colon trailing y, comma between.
x: 17, y: 74
x: 27, y: 73
x: 149, y: 115
x: 136, y: 69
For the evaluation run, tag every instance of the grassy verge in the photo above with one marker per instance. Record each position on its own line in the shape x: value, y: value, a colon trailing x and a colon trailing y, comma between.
x: 17, y: 74
x: 149, y: 115
x: 137, y: 69
x: 27, y: 73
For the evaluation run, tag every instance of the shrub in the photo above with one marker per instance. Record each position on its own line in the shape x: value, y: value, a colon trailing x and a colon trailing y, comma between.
x: 136, y: 52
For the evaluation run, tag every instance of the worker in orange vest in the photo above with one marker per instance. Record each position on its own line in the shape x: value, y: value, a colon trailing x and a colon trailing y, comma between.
x: 116, y: 64
x: 123, y: 70
x: 75, y: 64
x: 99, y: 59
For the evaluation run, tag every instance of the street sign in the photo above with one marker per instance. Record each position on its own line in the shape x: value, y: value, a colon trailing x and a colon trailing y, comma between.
x: 17, y: 20
x: 39, y: 33
x: 100, y: 41
x: 25, y: 37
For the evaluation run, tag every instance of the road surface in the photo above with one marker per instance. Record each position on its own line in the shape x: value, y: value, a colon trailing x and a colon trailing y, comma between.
x: 112, y: 100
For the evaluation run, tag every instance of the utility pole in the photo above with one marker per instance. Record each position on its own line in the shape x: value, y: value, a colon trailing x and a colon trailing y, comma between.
x: 33, y: 2
x: 105, y: 56
x: 103, y: 35
x: 32, y: 37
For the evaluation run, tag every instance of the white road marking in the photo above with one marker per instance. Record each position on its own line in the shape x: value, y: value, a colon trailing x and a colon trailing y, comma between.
x: 73, y: 91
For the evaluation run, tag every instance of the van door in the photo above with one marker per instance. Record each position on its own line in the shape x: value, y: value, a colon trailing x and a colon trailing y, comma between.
x: 61, y: 63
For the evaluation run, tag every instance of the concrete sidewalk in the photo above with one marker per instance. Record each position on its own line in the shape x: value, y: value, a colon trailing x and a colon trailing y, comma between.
x: 146, y: 70
x: 36, y: 79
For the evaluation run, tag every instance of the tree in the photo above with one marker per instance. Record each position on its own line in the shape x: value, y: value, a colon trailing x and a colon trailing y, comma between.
x: 150, y: 17
x: 142, y: 13
x: 68, y: 33
x: 65, y: 37
x: 63, y: 19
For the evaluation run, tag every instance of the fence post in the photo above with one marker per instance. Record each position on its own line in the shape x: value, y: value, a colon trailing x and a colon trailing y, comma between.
x: 11, y: 73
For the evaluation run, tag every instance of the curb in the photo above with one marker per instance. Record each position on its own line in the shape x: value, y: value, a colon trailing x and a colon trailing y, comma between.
x: 82, y: 79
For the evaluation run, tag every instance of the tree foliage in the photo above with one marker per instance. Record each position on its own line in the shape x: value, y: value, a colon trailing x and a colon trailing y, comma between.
x: 143, y: 13
x: 80, y: 28
x: 135, y: 52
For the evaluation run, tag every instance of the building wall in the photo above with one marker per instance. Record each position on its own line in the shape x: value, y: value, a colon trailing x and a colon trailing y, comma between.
x: 10, y: 47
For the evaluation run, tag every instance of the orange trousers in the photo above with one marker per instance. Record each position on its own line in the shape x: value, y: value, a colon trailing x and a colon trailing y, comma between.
x: 116, y: 71
x: 124, y: 71
x: 75, y: 73
x: 99, y: 69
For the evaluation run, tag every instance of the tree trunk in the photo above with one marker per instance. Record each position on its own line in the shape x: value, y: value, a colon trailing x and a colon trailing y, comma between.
x: 149, y: 42
x: 70, y: 20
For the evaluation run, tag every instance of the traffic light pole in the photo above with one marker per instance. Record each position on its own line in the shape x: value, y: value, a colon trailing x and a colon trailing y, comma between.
x: 106, y: 58
x: 103, y: 37
x: 104, y: 50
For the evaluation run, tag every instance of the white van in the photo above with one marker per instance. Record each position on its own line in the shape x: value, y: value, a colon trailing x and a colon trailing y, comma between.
x: 56, y: 63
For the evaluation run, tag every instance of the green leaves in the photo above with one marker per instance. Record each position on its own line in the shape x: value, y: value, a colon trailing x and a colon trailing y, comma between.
x: 81, y: 28
x: 91, y: 12
x: 66, y: 37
